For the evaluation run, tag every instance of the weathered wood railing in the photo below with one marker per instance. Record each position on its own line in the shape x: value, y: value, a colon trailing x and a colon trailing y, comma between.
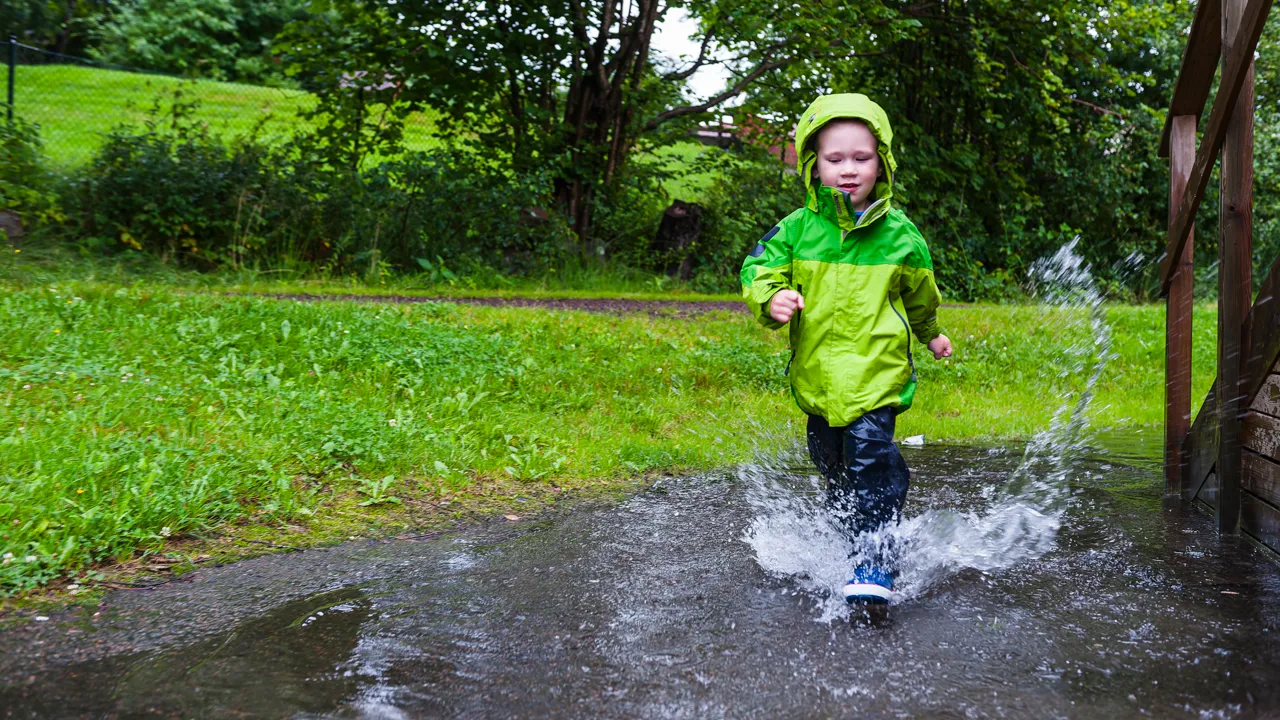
x: 1230, y: 458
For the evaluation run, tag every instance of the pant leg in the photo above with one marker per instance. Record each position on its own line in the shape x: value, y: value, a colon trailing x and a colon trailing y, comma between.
x: 876, y: 477
x: 867, y: 479
x: 826, y: 448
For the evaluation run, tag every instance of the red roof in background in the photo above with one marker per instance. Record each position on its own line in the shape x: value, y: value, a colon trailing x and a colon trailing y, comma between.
x: 750, y: 130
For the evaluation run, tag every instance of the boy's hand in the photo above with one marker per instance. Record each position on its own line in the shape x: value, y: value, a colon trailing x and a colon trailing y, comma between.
x: 784, y: 304
x: 940, y: 347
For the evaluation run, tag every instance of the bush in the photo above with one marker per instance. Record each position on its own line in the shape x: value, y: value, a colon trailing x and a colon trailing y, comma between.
x: 627, y: 216
x: 26, y: 188
x: 178, y: 192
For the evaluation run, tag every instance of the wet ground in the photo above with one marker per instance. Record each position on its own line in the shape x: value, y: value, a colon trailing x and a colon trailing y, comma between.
x: 660, y: 608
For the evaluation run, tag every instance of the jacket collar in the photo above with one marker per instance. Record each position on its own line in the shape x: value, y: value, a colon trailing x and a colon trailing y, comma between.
x: 834, y: 205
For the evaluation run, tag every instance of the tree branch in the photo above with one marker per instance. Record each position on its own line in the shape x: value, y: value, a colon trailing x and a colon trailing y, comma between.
x: 702, y: 58
x: 1098, y: 108
x: 602, y: 42
x: 733, y: 91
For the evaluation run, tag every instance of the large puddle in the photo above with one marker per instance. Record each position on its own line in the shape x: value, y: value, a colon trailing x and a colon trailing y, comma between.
x: 1046, y: 581
x: 663, y: 607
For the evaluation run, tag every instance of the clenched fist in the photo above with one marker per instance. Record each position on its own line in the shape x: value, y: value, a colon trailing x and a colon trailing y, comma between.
x: 940, y: 347
x: 784, y: 304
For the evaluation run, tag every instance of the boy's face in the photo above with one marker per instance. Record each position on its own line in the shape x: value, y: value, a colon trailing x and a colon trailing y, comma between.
x: 847, y: 160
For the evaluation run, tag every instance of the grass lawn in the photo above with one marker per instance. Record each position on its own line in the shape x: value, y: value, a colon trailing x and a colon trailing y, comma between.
x: 76, y: 107
x: 138, y: 418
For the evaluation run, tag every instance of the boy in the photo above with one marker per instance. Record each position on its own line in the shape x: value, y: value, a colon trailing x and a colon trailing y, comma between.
x: 854, y: 279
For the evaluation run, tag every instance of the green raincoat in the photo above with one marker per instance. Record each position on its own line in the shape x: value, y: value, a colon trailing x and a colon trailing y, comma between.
x: 867, y: 283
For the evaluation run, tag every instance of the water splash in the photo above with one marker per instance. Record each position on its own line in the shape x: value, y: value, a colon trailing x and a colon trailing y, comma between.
x: 795, y: 537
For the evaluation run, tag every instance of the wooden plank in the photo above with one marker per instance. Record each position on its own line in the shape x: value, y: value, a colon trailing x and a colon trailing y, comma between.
x: 1263, y: 326
x: 1200, y: 449
x: 1199, y: 65
x: 1236, y: 171
x: 1235, y: 232
x: 1208, y: 495
x: 1177, y: 358
x: 1260, y: 519
x: 1267, y: 399
x: 1260, y: 476
x: 1239, y: 59
x: 1261, y: 434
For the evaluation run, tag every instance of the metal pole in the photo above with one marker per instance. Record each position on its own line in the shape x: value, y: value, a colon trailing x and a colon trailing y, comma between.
x: 13, y: 61
x: 355, y: 155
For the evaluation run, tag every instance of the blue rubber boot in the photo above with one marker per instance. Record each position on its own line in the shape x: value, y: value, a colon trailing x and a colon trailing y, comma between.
x: 869, y: 586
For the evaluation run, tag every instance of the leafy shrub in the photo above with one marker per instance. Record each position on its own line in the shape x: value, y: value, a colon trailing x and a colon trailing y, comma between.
x: 25, y: 186
x: 751, y: 193
x: 627, y: 216
x: 221, y: 39
x: 178, y: 192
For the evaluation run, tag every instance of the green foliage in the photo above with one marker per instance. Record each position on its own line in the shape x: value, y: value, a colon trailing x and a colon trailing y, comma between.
x: 61, y: 25
x: 26, y: 187
x: 752, y: 192
x: 1017, y: 126
x: 174, y: 191
x: 185, y: 195
x: 220, y: 39
x: 627, y: 215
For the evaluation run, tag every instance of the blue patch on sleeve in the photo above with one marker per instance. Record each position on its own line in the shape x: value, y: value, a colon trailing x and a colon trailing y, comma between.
x: 769, y: 235
x: 758, y: 250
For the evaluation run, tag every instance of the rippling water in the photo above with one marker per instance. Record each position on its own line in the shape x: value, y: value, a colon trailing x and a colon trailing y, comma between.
x: 656, y: 608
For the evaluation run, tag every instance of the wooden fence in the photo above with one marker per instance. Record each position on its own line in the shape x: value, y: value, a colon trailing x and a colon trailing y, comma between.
x: 1229, y: 459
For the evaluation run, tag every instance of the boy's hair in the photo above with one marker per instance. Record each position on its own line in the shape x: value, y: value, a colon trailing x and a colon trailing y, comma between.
x: 812, y: 143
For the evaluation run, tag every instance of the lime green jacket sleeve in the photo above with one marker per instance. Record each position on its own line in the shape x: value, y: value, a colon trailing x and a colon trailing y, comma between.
x: 920, y: 295
x: 766, y: 270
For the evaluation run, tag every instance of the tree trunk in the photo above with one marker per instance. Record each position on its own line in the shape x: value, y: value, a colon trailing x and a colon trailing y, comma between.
x: 65, y: 35
x: 600, y: 120
x: 679, y: 232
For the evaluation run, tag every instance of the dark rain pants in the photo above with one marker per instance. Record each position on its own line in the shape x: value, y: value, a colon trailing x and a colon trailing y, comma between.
x: 867, y: 479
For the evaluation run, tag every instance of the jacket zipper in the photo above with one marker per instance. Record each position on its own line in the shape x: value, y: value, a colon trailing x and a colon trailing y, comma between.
x: 910, y: 360
x: 795, y: 318
x: 858, y: 223
x: 867, y: 213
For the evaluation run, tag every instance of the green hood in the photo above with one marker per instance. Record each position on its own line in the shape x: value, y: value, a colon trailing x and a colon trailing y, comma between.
x: 846, y: 106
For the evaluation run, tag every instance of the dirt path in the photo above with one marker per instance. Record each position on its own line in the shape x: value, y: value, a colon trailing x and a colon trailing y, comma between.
x: 657, y: 308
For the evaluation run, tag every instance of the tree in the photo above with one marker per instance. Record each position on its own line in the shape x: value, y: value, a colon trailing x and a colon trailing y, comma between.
x: 1018, y: 124
x: 58, y: 25
x: 221, y: 39
x: 575, y: 85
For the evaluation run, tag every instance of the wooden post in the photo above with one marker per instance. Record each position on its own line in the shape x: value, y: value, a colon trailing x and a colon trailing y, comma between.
x: 1177, y: 353
x: 1235, y: 275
